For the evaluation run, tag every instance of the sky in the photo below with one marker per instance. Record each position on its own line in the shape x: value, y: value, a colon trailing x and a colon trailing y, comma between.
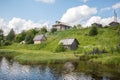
x: 26, y: 14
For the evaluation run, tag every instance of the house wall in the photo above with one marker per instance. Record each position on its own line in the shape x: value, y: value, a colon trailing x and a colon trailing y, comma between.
x: 74, y: 46
x: 61, y: 27
x: 37, y: 42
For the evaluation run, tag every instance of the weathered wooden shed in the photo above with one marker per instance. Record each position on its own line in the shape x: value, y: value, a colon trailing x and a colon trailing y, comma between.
x: 70, y: 43
x: 39, y: 38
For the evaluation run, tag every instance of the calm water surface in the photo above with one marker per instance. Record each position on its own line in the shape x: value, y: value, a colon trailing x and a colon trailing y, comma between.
x: 84, y: 71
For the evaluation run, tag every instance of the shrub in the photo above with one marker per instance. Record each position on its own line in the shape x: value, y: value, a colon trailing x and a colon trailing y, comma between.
x: 60, y: 48
x: 93, y: 31
x: 53, y: 30
x: 118, y: 48
x: 6, y: 43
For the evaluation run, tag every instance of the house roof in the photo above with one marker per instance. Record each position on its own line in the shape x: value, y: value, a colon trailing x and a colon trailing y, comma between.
x: 39, y: 37
x: 68, y: 41
x: 114, y: 23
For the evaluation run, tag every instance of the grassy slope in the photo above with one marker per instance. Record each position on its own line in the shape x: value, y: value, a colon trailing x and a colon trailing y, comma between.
x: 107, y: 38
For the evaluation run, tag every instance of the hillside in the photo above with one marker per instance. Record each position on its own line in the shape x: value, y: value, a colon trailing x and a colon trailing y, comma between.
x: 107, y: 39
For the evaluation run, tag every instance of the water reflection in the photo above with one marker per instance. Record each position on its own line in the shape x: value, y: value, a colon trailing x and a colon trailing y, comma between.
x: 16, y: 71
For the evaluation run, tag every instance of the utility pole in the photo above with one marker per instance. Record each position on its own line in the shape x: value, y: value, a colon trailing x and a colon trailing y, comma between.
x: 115, y: 16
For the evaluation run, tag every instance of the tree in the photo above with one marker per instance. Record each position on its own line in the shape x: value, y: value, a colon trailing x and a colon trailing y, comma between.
x: 1, y: 36
x: 79, y: 26
x: 53, y: 30
x: 20, y: 37
x: 11, y: 35
x: 93, y: 31
x: 43, y: 30
x: 29, y: 38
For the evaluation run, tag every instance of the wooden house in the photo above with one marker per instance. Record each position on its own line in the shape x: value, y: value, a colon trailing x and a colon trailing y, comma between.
x: 59, y: 26
x: 39, y: 39
x: 97, y: 25
x: 114, y: 24
x: 70, y: 44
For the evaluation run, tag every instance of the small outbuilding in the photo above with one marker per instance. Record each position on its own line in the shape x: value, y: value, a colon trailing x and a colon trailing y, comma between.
x: 70, y: 43
x: 60, y: 26
x: 39, y: 39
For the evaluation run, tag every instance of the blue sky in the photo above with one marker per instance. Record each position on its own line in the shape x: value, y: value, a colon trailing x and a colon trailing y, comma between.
x: 17, y: 13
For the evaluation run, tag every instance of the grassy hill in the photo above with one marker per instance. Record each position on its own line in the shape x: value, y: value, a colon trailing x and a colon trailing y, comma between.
x: 107, y: 38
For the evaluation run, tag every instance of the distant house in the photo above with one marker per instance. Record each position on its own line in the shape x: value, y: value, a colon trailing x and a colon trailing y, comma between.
x: 114, y: 24
x: 61, y: 26
x: 70, y: 44
x: 97, y: 25
x: 39, y: 38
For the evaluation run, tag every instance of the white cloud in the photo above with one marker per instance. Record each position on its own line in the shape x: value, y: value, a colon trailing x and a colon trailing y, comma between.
x: 3, y: 25
x: 19, y: 24
x: 106, y: 9
x: 76, y: 14
x: 116, y: 6
x: 98, y: 19
x: 46, y: 1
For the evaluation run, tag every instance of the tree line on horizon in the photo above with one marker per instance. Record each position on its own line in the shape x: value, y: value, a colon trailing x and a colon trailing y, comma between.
x: 28, y: 35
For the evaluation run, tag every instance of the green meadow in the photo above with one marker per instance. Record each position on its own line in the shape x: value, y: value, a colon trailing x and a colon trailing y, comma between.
x: 107, y: 38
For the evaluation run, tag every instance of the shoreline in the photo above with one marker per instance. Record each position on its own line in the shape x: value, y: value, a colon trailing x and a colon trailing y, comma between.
x: 36, y: 56
x: 43, y: 57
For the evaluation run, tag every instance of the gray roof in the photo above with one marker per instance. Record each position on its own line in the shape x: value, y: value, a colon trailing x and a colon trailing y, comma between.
x: 39, y: 37
x: 68, y: 41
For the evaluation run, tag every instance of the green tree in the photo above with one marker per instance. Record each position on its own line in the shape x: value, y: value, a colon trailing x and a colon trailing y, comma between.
x: 43, y: 30
x: 20, y: 37
x: 93, y: 31
x: 29, y: 38
x: 11, y: 35
x: 53, y: 30
x: 79, y: 26
x: 1, y: 36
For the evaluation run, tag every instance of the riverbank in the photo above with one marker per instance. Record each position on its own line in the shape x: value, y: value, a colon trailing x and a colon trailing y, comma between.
x: 44, y: 57
x: 107, y: 58
x: 36, y: 56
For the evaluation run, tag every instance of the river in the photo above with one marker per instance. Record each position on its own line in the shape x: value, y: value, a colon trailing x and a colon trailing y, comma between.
x: 12, y: 70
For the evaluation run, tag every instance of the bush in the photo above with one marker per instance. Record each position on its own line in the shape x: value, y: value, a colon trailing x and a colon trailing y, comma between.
x: 53, y: 30
x: 6, y: 43
x: 118, y: 48
x: 60, y: 48
x: 93, y: 31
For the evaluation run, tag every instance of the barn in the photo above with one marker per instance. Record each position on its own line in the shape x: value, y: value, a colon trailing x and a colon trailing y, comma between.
x: 39, y: 39
x: 70, y: 43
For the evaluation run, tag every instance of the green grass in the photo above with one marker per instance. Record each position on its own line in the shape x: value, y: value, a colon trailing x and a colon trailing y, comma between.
x: 107, y: 38
x: 35, y: 56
